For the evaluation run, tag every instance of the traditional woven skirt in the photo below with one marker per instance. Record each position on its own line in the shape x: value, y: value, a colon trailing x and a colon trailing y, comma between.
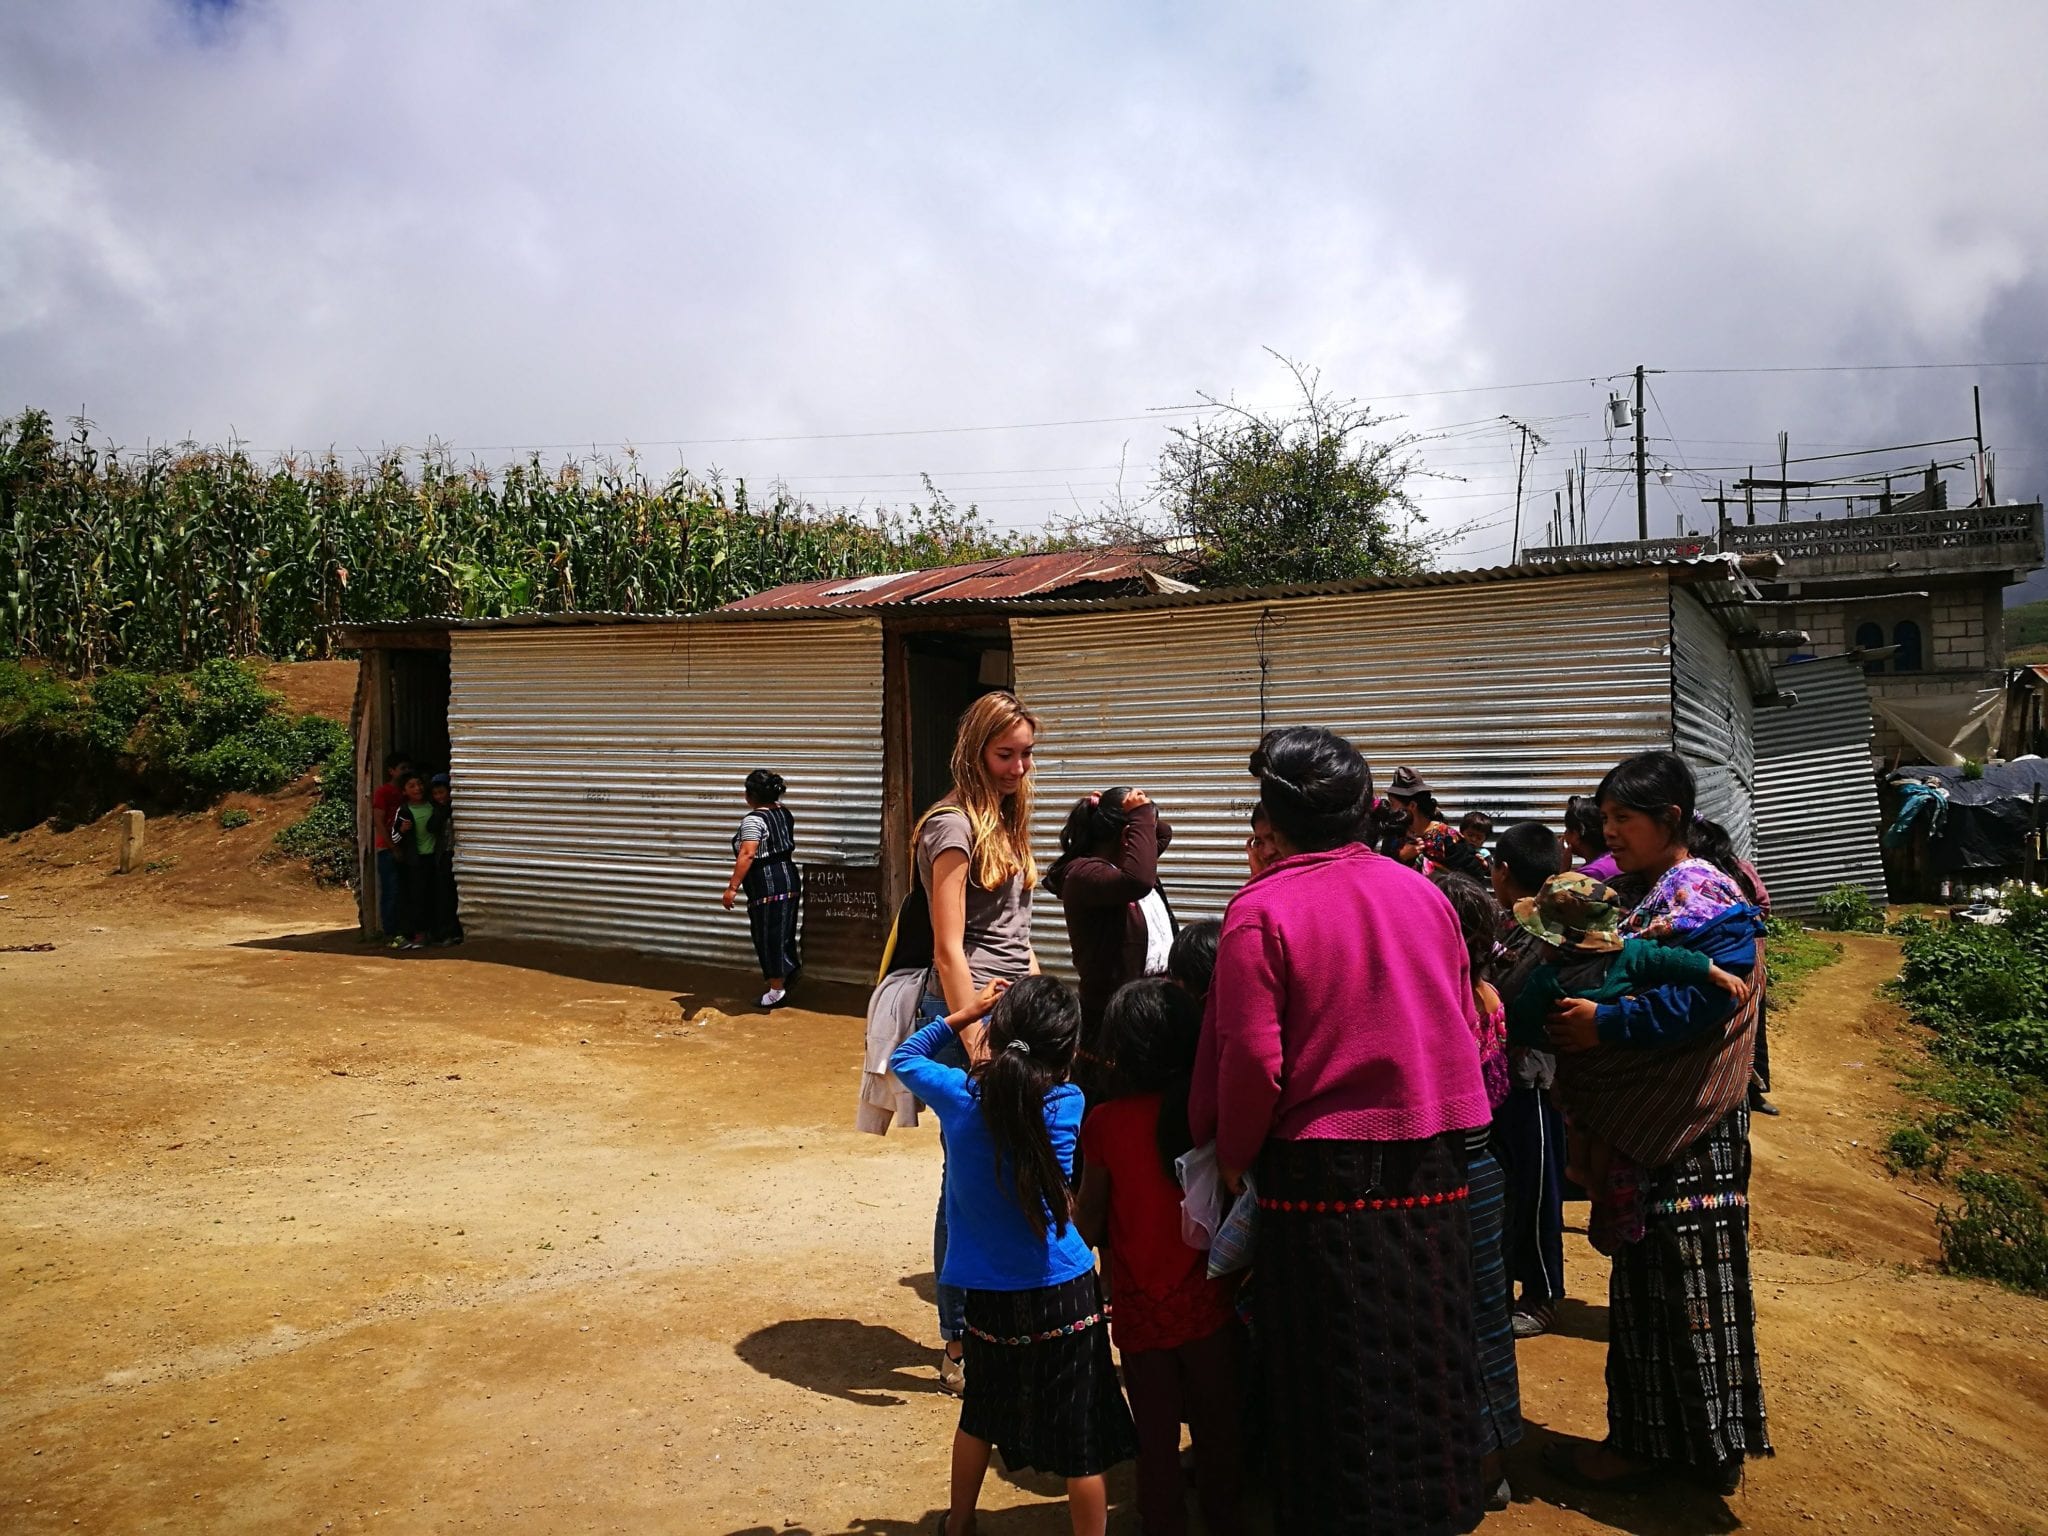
x: 1041, y: 1386
x: 1683, y: 1383
x: 1500, y: 1420
x: 1368, y: 1350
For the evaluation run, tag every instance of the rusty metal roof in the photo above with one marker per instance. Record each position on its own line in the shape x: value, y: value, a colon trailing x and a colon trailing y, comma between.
x: 1733, y: 572
x: 1017, y: 577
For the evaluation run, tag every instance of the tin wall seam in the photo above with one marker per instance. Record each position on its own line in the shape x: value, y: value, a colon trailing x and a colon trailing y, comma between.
x: 1713, y: 719
x: 597, y: 773
x: 1817, y: 813
x: 1509, y: 699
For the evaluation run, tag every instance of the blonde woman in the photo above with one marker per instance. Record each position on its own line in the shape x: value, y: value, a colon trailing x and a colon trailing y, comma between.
x: 973, y: 855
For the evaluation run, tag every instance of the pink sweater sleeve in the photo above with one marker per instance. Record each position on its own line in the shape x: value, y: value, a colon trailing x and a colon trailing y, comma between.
x: 1246, y: 996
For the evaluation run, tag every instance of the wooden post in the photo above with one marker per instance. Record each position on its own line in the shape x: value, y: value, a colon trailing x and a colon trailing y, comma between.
x: 132, y: 823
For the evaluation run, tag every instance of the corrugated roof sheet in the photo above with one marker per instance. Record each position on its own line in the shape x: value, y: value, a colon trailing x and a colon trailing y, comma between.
x: 1019, y: 576
x: 1729, y: 568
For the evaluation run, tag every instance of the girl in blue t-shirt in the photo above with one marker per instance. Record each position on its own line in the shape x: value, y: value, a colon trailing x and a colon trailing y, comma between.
x: 1040, y: 1382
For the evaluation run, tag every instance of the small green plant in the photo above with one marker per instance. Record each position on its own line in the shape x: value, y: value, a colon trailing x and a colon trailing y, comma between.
x: 1972, y: 769
x: 2001, y: 1233
x: 158, y: 866
x: 234, y: 816
x: 1848, y: 909
x: 1911, y: 1148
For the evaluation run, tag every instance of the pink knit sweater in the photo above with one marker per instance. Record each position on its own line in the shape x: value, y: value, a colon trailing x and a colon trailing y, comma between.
x: 1341, y: 1010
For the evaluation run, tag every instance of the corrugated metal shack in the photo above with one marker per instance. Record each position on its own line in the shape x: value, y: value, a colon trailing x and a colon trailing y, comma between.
x: 598, y: 758
x: 1817, y: 818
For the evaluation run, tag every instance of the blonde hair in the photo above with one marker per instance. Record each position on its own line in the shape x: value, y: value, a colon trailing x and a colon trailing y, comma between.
x: 999, y: 824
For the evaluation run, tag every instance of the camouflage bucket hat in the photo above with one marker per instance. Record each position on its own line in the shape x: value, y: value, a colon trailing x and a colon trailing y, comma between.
x: 1574, y: 911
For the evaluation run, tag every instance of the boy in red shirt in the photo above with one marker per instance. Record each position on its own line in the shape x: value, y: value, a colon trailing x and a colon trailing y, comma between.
x: 385, y: 800
x: 1177, y: 1329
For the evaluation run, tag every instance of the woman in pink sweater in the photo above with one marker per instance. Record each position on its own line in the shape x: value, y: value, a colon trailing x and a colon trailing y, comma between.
x: 1339, y: 1066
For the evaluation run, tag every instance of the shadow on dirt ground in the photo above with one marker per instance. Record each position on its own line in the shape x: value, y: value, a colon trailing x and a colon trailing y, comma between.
x: 692, y: 987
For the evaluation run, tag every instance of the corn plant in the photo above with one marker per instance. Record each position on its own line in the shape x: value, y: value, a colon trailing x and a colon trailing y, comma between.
x: 161, y: 559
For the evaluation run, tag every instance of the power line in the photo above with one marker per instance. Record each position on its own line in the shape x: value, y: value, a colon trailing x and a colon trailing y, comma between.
x: 1855, y: 368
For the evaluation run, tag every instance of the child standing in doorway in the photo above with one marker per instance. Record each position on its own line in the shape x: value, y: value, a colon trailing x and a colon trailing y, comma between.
x: 414, y: 838
x: 385, y: 800
x: 1041, y: 1386
x: 447, y: 924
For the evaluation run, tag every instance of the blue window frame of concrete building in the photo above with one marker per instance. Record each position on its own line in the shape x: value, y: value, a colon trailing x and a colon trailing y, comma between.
x: 1906, y: 636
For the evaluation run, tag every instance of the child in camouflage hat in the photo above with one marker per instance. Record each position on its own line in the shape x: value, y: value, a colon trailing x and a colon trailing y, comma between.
x: 1579, y: 919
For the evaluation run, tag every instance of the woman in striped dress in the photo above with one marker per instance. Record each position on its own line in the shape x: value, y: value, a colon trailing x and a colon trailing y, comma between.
x: 1662, y: 1077
x: 764, y: 866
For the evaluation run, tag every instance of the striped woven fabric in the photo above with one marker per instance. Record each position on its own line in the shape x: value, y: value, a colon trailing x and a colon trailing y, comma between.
x: 1652, y: 1104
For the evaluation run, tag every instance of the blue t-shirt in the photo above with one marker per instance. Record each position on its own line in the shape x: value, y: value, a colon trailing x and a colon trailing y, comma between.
x: 989, y: 1244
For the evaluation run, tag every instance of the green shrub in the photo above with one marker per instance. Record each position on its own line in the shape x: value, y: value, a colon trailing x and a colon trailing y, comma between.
x: 1848, y: 909
x: 325, y: 837
x: 2008, y: 1046
x: 233, y: 817
x: 1972, y: 769
x: 1976, y: 1096
x: 2000, y: 1234
x: 1911, y: 1147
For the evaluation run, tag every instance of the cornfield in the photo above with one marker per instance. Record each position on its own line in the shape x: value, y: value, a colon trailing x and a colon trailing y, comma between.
x: 162, y: 559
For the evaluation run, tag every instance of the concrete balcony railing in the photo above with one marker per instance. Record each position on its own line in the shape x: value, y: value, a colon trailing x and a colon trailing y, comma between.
x: 1962, y: 539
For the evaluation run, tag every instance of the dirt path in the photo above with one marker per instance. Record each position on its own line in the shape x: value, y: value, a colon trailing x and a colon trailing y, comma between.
x: 303, y: 1237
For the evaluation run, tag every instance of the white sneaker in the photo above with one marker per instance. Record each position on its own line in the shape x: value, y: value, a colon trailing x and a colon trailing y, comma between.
x: 773, y: 997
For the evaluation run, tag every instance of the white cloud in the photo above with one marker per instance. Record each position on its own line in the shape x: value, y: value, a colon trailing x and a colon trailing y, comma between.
x: 512, y: 223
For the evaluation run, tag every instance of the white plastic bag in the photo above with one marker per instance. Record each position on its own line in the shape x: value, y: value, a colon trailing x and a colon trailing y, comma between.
x: 1232, y: 1248
x: 1202, y: 1195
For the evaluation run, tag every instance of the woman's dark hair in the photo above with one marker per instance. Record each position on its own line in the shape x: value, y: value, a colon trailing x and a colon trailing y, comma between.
x: 1314, y: 785
x: 1530, y: 853
x: 1192, y: 960
x: 1582, y: 820
x: 1032, y: 1036
x: 1386, y: 827
x: 1478, y: 918
x: 1711, y: 841
x: 1260, y: 814
x: 1655, y: 784
x: 1431, y: 811
x: 1095, y: 821
x: 1151, y: 1028
x: 764, y: 787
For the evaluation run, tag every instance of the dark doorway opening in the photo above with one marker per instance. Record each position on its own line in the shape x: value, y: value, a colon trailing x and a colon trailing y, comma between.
x: 947, y: 671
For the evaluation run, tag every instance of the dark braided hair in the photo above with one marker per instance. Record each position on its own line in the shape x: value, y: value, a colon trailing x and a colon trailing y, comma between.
x: 1314, y: 785
x: 1478, y: 918
x: 1032, y: 1036
x: 1152, y: 1027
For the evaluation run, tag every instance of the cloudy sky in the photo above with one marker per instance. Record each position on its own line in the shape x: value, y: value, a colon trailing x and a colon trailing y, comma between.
x: 798, y: 240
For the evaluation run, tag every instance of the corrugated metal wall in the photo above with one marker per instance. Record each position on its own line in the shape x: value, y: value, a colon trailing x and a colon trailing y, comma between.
x: 1817, y: 815
x: 597, y: 772
x: 1508, y: 698
x: 1712, y: 718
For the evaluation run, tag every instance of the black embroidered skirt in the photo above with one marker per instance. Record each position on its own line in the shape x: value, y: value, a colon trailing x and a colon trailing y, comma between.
x: 1683, y: 1382
x: 1368, y: 1344
x: 1500, y: 1424
x: 1041, y: 1386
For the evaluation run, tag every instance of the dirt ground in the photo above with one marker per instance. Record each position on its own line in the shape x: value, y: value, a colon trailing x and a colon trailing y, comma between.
x: 306, y: 1237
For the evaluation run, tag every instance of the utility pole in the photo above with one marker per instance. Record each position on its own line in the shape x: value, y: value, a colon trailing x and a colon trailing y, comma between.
x: 1521, y: 466
x: 1987, y: 493
x: 1784, y: 447
x: 1642, y: 467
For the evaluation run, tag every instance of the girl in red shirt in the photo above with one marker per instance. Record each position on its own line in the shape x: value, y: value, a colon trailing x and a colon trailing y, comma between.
x: 1178, y: 1331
